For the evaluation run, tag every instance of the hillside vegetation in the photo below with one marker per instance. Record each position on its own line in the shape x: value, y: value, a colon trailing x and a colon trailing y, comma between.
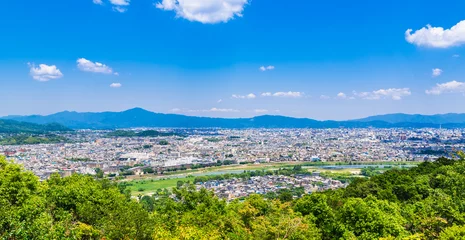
x: 25, y: 139
x: 10, y: 126
x: 426, y: 202
x: 138, y: 117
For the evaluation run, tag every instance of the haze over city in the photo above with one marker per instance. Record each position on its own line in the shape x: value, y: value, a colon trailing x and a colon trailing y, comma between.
x: 320, y: 60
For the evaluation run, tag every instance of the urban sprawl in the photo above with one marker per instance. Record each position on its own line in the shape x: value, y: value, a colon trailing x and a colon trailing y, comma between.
x: 88, y: 150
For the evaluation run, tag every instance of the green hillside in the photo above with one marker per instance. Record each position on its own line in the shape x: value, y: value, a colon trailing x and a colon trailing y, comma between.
x: 10, y: 126
x: 426, y: 202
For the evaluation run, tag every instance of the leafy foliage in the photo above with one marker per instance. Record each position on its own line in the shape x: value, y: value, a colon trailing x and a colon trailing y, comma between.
x: 426, y: 202
x: 77, y: 207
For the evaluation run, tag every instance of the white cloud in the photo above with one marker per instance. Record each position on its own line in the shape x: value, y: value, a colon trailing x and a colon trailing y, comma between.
x: 393, y: 93
x: 324, y: 97
x: 437, y: 37
x: 120, y: 9
x: 269, y: 68
x: 204, y: 11
x: 220, y: 101
x: 44, y: 72
x: 341, y: 95
x: 455, y: 56
x: 283, y: 94
x: 260, y: 111
x: 120, y: 2
x: 88, y: 66
x: 436, y: 72
x: 448, y: 87
x: 248, y: 96
x: 222, y: 110
x: 115, y: 85
x: 288, y: 94
x: 118, y: 5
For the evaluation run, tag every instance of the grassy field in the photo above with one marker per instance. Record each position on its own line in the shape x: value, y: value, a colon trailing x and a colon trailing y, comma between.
x: 151, y: 186
x: 236, y: 167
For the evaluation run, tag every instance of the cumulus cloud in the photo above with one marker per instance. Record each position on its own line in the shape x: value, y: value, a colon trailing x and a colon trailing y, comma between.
x: 95, y: 67
x: 120, y: 9
x: 392, y: 93
x: 283, y: 94
x: 264, y: 69
x: 248, y: 96
x: 115, y: 85
x: 120, y: 2
x: 176, y: 110
x: 324, y: 97
x: 204, y: 11
x: 220, y: 101
x: 341, y: 95
x: 448, y: 87
x: 436, y: 72
x: 118, y: 5
x: 437, y: 37
x: 44, y: 72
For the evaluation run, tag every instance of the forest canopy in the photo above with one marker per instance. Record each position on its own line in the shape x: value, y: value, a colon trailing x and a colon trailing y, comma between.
x: 10, y: 127
x: 425, y: 202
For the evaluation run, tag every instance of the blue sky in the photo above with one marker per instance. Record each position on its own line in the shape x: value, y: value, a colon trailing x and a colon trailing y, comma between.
x: 322, y: 59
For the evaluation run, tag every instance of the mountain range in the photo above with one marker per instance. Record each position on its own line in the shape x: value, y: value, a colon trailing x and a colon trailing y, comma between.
x: 10, y: 126
x: 450, y: 118
x: 138, y: 117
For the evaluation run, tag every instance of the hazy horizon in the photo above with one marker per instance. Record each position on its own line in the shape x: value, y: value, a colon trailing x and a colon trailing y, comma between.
x: 256, y: 115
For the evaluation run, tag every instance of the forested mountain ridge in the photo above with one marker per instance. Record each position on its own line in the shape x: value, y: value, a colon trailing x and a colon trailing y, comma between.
x: 449, y: 118
x: 138, y: 117
x: 426, y: 202
x: 10, y: 126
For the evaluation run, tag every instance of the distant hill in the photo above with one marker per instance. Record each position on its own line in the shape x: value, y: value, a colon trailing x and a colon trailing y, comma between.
x: 11, y: 126
x: 138, y: 117
x: 450, y: 118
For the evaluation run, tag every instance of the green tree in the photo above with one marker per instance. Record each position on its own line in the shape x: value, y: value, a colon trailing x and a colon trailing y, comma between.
x: 453, y: 233
x: 99, y: 173
x: 371, y: 218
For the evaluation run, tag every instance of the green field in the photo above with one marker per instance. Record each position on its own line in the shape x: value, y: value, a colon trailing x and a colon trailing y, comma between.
x: 151, y: 186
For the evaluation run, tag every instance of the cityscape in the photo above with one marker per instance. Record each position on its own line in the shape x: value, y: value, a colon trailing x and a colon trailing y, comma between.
x: 87, y: 150
x: 237, y: 188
